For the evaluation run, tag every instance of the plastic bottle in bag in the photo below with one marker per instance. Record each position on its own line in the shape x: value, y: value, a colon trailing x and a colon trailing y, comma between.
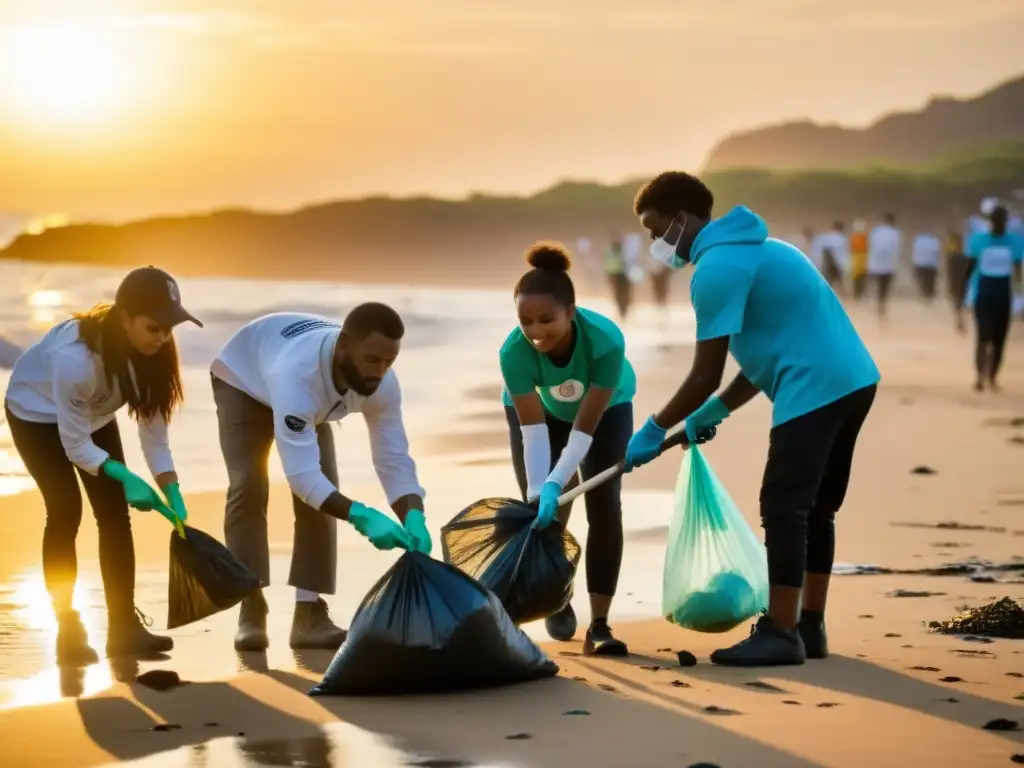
x: 716, y: 569
x: 426, y: 627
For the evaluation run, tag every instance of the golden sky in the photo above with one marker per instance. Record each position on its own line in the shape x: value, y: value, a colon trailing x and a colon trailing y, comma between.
x: 118, y: 108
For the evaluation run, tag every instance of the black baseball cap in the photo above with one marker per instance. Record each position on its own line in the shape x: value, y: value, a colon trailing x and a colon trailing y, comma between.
x: 153, y: 293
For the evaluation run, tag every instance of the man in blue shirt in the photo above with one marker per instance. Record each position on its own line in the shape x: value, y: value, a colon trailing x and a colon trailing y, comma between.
x: 762, y: 300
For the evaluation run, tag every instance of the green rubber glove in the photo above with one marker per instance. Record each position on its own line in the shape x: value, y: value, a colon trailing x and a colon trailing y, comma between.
x: 416, y: 527
x: 175, y: 501
x: 137, y: 492
x: 382, y: 531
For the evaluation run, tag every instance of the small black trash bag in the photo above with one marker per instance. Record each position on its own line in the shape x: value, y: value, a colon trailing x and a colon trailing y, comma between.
x: 530, y: 571
x: 426, y: 627
x: 205, y: 578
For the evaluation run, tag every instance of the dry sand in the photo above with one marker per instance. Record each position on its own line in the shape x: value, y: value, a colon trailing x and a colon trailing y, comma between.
x: 865, y: 705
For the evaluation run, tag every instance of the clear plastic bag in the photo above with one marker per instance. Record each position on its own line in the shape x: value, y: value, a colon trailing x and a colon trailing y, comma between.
x: 716, y: 569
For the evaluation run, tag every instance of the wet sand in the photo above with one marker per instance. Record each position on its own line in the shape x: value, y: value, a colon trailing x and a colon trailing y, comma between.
x: 879, y: 700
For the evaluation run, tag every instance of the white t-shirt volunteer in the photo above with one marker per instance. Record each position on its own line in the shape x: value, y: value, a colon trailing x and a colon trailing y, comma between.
x: 835, y: 242
x: 925, y: 251
x: 884, y: 245
x: 59, y: 380
x: 284, y: 361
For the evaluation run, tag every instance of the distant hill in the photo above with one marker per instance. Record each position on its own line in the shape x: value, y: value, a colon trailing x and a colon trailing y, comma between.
x: 946, y: 125
x: 479, y: 241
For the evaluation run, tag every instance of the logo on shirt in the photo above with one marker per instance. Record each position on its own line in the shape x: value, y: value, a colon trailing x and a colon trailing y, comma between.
x: 568, y: 391
x: 305, y: 326
x: 294, y: 423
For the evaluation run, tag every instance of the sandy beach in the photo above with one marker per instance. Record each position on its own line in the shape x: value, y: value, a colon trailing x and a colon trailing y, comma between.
x: 880, y: 700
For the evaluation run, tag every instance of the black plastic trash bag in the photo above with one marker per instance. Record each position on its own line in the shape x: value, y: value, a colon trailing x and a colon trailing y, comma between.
x: 205, y: 578
x: 530, y: 571
x: 426, y: 627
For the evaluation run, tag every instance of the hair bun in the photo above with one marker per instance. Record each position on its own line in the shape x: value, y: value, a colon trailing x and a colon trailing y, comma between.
x: 549, y: 256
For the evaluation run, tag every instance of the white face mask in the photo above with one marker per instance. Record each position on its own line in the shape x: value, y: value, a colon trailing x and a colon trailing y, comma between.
x: 664, y: 248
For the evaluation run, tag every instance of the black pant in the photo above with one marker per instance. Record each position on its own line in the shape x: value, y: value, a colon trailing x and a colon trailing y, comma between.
x: 993, y: 308
x: 604, y: 503
x: 883, y: 284
x: 926, y: 277
x: 805, y: 481
x: 41, y: 450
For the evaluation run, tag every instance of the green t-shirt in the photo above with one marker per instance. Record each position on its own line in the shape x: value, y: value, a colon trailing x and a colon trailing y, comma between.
x: 598, y: 358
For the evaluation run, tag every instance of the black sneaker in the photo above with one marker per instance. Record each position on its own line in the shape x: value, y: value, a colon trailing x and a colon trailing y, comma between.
x: 562, y: 625
x: 767, y: 646
x: 128, y: 636
x: 601, y: 642
x: 812, y: 632
x: 73, y: 649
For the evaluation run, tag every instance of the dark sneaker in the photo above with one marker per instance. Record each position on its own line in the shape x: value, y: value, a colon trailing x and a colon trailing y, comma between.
x: 562, y: 625
x: 812, y: 632
x: 767, y: 646
x: 252, y: 624
x: 128, y: 636
x: 601, y: 642
x: 73, y: 649
x: 312, y: 627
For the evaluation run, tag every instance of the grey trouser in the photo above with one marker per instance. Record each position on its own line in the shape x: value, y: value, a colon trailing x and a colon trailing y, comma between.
x: 246, y: 435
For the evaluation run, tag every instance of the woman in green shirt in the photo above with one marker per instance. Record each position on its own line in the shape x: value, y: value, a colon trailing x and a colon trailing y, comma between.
x: 569, y: 403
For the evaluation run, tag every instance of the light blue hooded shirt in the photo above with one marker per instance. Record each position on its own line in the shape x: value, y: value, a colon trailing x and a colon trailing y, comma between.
x: 787, y: 329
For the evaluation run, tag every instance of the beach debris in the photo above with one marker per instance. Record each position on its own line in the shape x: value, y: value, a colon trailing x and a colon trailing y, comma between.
x: 650, y: 667
x: 664, y: 650
x: 160, y: 679
x: 951, y: 679
x: 211, y: 724
x: 161, y: 727
x: 713, y: 710
x: 974, y: 639
x: 1015, y: 674
x: 924, y: 470
x: 579, y: 679
x: 926, y: 669
x: 893, y: 634
x: 912, y: 593
x: 1001, y: 724
x: 1016, y: 440
x: 519, y: 736
x: 974, y: 654
x: 763, y: 686
x: 576, y: 712
x: 948, y: 525
x: 686, y: 659
x: 828, y: 704
x: 975, y: 569
x: 1003, y: 618
x: 680, y: 684
x: 950, y: 544
x: 793, y: 703
x: 1019, y: 697
x: 1019, y: 759
x: 950, y: 700
x: 606, y: 687
x: 908, y: 645
x: 866, y: 616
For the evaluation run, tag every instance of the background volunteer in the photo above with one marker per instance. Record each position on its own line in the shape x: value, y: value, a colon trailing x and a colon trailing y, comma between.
x: 282, y: 378
x: 885, y: 243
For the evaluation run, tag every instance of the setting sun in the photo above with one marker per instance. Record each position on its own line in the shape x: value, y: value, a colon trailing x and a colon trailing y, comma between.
x: 62, y: 75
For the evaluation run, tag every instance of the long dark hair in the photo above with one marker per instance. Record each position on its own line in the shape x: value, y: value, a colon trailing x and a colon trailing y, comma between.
x: 157, y: 386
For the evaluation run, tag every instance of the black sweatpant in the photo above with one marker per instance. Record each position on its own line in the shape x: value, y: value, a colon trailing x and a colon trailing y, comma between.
x: 805, y: 481
x: 43, y: 454
x: 604, y: 503
x: 993, y: 308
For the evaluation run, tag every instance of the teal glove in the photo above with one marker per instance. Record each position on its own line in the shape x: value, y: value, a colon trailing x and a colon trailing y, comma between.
x: 416, y: 527
x: 645, y: 444
x: 175, y: 501
x: 137, y: 492
x: 382, y: 531
x: 701, y: 421
x: 548, y: 507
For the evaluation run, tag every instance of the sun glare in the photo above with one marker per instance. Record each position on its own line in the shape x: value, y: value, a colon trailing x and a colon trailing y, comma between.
x: 62, y: 75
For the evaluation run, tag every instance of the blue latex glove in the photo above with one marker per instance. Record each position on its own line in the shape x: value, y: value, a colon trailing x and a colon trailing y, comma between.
x: 175, y: 501
x: 416, y: 527
x: 699, y: 424
x: 548, y: 507
x: 137, y: 492
x: 645, y: 444
x: 382, y: 531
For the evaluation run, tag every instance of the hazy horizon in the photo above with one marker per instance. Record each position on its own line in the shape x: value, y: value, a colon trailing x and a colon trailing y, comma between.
x: 169, y: 106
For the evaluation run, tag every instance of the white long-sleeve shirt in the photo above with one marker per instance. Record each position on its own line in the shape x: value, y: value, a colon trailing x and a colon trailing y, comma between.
x: 835, y: 242
x: 59, y: 380
x: 284, y: 361
x: 885, y: 242
x: 926, y: 251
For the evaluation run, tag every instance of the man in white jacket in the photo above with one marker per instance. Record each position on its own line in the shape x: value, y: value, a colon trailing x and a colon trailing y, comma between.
x: 282, y: 378
x: 885, y: 245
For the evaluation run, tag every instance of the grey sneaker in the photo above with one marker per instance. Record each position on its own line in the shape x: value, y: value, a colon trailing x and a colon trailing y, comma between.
x: 767, y: 646
x: 312, y: 627
x: 252, y: 624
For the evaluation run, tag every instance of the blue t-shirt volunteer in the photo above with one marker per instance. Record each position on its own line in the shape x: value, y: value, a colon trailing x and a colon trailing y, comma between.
x: 787, y: 329
x: 994, y: 257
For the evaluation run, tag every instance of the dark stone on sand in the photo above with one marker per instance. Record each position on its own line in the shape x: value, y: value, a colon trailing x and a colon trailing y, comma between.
x: 159, y: 679
x: 712, y: 709
x: 762, y: 686
x: 926, y: 669
x: 576, y: 712
x: 686, y: 659
x: 893, y: 634
x: 828, y: 704
x: 519, y: 736
x: 950, y: 700
x: 1001, y: 724
x: 579, y: 679
x: 923, y: 470
x: 865, y: 616
x: 1019, y: 697
x: 606, y: 687
x: 912, y: 593
x: 951, y: 679
x: 680, y: 684
x: 1019, y: 759
x: 650, y: 667
x: 166, y: 727
x: 792, y: 703
x: 664, y: 650
x: 949, y: 545
x: 1015, y: 674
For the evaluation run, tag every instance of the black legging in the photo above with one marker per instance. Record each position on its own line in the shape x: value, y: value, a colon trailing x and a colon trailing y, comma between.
x: 993, y: 307
x: 604, y: 503
x: 43, y: 454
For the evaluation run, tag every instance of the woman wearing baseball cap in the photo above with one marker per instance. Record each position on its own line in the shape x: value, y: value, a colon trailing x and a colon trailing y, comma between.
x: 61, y: 405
